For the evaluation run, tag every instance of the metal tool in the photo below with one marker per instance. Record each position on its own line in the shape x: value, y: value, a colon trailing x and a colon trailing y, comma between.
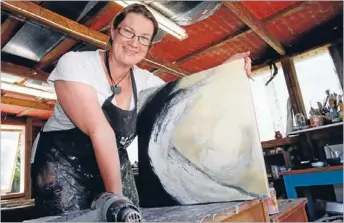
x: 109, y: 207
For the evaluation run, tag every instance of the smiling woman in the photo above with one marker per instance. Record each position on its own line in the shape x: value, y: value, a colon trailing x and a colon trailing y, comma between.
x: 94, y: 120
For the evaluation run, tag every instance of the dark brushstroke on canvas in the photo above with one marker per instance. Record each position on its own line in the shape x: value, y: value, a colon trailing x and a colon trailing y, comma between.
x: 150, y: 189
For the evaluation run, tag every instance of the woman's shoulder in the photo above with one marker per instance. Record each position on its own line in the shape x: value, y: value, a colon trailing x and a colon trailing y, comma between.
x: 75, y: 66
x: 145, y: 79
x: 75, y: 58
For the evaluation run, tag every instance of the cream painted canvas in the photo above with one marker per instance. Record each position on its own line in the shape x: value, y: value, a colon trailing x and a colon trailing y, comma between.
x: 198, y: 140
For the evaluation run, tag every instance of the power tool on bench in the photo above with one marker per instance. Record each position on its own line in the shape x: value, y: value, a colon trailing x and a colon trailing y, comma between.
x: 108, y: 207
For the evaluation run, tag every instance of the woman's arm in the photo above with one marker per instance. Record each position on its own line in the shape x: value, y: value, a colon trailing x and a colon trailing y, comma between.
x: 79, y: 102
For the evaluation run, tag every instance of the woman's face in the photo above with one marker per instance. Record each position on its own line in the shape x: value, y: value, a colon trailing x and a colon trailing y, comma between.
x: 130, y: 51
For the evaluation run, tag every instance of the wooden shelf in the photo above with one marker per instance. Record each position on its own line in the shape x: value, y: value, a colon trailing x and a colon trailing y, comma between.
x: 279, y: 142
x: 275, y: 154
x: 315, y: 128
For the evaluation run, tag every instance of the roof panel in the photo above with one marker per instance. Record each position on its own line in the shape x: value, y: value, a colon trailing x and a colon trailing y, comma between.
x: 297, y: 24
x: 220, y: 24
x: 218, y: 55
x: 264, y: 9
x: 69, y: 9
x: 32, y: 41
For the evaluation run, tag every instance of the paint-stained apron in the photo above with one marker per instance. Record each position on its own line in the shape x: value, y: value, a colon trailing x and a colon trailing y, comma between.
x: 65, y: 173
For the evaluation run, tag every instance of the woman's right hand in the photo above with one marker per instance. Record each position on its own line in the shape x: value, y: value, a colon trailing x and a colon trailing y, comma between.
x: 80, y: 103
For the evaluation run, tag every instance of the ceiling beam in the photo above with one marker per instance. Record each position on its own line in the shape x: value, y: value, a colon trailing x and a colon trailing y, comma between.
x: 23, y: 72
x: 71, y: 28
x: 24, y: 112
x: 14, y: 94
x: 104, y: 16
x: 8, y: 29
x: 246, y: 16
x: 244, y: 31
x: 60, y: 23
x: 25, y: 103
x: 10, y: 119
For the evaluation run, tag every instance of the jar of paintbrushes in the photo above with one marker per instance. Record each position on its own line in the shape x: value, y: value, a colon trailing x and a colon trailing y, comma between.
x: 330, y: 111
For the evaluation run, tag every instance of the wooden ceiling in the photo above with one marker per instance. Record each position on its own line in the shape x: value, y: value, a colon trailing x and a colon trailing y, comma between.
x: 271, y: 30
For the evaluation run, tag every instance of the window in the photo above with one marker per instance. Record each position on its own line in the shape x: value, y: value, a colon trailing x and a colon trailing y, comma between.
x: 29, y: 87
x: 270, y: 102
x: 316, y: 73
x: 12, y: 160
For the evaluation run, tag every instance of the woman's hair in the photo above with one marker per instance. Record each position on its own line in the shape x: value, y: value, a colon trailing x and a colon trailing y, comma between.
x: 138, y: 9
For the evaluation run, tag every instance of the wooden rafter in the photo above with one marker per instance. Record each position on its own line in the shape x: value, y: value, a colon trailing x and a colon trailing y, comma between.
x: 255, y: 24
x: 21, y: 81
x: 72, y: 28
x: 24, y: 112
x: 23, y: 72
x: 25, y: 103
x: 13, y: 94
x: 103, y: 17
x: 8, y: 29
x: 10, y: 119
x: 244, y: 31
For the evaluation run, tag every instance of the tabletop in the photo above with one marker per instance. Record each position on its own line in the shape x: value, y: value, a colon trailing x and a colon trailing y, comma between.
x: 286, y: 207
x: 196, y: 213
x: 313, y: 170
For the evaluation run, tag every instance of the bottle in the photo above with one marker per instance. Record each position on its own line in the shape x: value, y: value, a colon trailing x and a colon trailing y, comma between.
x: 278, y: 135
x: 272, y: 200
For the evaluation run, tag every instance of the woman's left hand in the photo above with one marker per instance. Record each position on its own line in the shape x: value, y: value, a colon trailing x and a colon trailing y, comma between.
x: 248, y: 61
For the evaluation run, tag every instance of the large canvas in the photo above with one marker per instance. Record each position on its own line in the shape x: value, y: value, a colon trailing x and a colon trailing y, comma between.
x: 198, y: 140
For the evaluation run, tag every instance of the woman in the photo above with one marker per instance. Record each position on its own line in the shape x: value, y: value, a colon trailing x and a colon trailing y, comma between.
x: 81, y: 151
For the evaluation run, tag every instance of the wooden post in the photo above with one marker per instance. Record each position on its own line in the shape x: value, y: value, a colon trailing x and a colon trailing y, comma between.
x: 293, y: 86
x: 27, y: 169
x: 297, y: 102
x: 336, y: 52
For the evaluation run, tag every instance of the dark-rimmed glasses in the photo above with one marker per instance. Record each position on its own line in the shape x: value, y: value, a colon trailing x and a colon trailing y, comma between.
x: 127, y: 33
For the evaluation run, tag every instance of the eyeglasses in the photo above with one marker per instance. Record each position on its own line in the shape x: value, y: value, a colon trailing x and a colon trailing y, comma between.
x: 127, y: 33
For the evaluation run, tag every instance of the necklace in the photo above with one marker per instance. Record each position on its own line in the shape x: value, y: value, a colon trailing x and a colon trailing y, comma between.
x: 115, y: 89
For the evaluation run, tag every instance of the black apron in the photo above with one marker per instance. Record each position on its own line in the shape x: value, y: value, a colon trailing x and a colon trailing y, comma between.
x: 65, y: 173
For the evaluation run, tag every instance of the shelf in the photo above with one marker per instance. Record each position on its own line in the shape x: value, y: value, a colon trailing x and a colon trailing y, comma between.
x: 273, y: 179
x: 279, y: 142
x: 269, y: 155
x: 314, y: 128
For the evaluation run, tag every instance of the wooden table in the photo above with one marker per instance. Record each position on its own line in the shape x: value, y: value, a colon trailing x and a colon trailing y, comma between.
x: 311, y: 177
x: 291, y: 210
x: 245, y: 211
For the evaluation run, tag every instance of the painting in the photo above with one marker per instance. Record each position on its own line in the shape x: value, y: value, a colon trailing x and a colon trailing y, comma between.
x: 198, y: 140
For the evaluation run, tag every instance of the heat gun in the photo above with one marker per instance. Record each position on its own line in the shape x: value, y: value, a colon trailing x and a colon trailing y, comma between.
x: 108, y: 207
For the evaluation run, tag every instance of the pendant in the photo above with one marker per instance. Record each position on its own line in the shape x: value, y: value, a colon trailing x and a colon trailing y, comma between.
x: 116, y: 89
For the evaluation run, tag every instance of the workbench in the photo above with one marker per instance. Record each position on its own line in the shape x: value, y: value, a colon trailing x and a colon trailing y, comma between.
x: 253, y: 211
x: 291, y: 210
x: 311, y: 177
x: 243, y: 211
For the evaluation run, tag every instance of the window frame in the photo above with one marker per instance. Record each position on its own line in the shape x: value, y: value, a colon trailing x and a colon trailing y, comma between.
x: 27, y: 134
x: 258, y: 73
x: 304, y: 57
x: 21, y: 135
